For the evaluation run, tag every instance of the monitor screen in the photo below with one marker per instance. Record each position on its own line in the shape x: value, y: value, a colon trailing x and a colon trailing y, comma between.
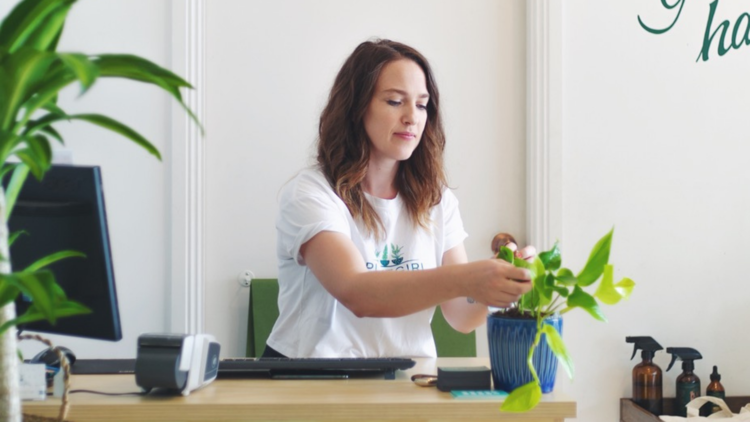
x: 65, y: 211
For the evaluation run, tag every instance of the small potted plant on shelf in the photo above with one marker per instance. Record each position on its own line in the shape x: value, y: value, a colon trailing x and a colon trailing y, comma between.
x: 525, y: 340
x: 32, y: 73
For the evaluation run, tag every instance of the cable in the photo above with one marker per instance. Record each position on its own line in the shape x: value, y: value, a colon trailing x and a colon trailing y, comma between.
x: 140, y: 393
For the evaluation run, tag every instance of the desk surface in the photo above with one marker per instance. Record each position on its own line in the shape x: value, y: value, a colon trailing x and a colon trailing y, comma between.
x: 368, y: 399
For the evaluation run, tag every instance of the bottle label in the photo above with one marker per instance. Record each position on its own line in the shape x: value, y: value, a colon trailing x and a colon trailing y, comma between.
x: 685, y: 393
x: 714, y: 407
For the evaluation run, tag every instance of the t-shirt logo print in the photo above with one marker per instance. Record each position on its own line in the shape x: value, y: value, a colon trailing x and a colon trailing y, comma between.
x: 391, y: 258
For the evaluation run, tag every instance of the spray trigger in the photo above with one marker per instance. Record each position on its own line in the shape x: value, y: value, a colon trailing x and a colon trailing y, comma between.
x: 674, y: 358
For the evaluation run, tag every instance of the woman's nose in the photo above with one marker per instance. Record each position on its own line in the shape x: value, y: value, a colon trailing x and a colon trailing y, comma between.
x: 410, y: 115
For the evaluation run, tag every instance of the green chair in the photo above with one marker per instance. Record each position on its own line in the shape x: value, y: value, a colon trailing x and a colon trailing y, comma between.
x: 264, y: 311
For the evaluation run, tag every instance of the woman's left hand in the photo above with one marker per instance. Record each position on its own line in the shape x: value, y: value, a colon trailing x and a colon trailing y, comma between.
x: 527, y: 253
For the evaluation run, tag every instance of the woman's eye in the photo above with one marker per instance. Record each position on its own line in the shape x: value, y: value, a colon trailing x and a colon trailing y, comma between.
x: 393, y: 102
x: 422, y: 106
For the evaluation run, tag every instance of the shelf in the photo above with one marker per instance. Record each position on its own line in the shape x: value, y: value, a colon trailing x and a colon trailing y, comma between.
x: 631, y: 412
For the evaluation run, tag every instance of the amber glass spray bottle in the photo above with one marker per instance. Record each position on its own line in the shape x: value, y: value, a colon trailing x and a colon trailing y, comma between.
x: 647, y: 386
x: 687, y: 384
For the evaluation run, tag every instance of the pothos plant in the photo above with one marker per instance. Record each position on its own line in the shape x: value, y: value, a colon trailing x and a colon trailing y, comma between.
x: 557, y: 289
x: 32, y: 74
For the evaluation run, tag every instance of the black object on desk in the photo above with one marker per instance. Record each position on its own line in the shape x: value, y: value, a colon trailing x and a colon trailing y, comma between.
x: 464, y: 378
x: 303, y: 368
x: 103, y: 366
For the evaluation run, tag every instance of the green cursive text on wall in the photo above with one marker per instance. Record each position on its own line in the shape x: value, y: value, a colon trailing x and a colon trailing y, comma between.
x: 731, y: 36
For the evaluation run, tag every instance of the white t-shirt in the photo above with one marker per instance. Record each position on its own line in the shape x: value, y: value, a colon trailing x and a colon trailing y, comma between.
x: 312, y: 323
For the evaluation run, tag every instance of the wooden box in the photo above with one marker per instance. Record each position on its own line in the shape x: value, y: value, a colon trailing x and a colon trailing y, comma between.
x: 631, y: 412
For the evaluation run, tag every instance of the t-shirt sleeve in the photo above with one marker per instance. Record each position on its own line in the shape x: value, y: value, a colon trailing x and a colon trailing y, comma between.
x: 306, y: 208
x: 453, y: 226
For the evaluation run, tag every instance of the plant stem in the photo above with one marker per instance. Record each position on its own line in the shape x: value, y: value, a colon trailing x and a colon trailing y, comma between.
x: 552, y: 305
x: 537, y: 338
x: 552, y: 311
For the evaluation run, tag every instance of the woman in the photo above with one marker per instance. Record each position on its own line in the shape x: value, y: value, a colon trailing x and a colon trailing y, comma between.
x: 371, y: 239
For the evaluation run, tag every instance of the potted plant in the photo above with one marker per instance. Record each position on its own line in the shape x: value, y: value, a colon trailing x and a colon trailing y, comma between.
x: 32, y: 73
x: 525, y: 340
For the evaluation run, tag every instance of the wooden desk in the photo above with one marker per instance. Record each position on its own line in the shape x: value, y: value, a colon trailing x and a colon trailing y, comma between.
x: 286, y: 400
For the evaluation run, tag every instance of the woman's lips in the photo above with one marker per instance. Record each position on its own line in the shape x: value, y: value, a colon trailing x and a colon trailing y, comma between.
x: 406, y: 135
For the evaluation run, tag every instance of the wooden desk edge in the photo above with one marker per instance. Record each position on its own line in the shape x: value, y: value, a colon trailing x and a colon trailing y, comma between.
x: 338, y: 400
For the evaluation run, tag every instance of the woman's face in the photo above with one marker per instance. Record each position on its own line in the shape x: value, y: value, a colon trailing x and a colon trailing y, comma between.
x: 396, y: 116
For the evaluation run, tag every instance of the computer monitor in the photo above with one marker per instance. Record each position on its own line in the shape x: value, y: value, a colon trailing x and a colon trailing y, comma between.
x: 65, y: 211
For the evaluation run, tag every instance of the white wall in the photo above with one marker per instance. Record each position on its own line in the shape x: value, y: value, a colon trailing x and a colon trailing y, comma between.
x: 270, y: 67
x: 134, y: 181
x: 653, y: 143
x: 656, y: 144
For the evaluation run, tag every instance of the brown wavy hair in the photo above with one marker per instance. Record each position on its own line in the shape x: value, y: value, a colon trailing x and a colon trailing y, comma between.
x: 344, y: 147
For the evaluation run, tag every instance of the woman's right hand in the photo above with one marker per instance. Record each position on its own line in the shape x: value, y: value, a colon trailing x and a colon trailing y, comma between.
x: 498, y: 283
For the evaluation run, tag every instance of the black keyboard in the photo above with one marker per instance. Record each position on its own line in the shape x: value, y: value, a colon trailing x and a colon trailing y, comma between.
x: 313, y: 367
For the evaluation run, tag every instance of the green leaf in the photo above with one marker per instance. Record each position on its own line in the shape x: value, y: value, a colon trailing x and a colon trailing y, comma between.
x: 539, y: 268
x: 115, y: 126
x: 562, y: 291
x: 529, y: 301
x: 31, y: 163
x: 37, y: 156
x: 542, y: 288
x: 140, y: 69
x: 52, y: 258
x: 625, y: 287
x: 63, y: 309
x: 14, y: 187
x: 581, y: 299
x: 7, y: 168
x: 103, y: 121
x: 137, y: 68
x: 84, y: 69
x: 8, y: 293
x: 31, y: 22
x: 551, y: 258
x: 53, y: 108
x: 46, y: 35
x: 611, y: 293
x: 606, y: 291
x: 556, y: 344
x: 46, y: 93
x: 15, y: 235
x: 45, y: 121
x: 27, y: 68
x: 566, y: 277
x: 49, y: 130
x: 523, y: 398
x: 505, y: 254
x: 531, y: 266
x: 597, y: 260
x: 37, y: 286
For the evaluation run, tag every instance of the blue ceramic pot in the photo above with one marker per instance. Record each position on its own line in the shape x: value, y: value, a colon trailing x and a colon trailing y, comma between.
x: 510, y: 340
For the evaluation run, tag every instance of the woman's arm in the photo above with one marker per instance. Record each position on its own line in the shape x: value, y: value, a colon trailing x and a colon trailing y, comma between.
x: 337, y: 263
x: 460, y: 314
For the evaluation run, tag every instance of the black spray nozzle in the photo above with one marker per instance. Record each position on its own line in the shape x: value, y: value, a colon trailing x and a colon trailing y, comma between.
x: 645, y: 343
x: 686, y: 354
